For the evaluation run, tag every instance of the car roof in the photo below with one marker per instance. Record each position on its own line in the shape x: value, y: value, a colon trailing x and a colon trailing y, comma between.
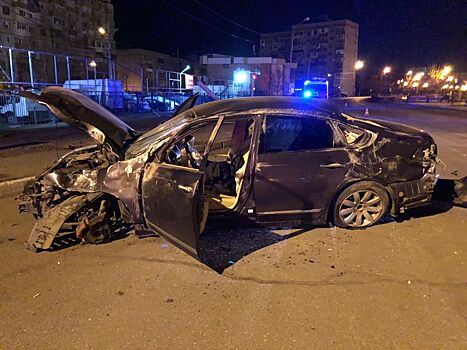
x: 261, y: 102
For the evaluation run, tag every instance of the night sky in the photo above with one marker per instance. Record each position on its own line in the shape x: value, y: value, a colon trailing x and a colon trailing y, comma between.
x: 401, y: 33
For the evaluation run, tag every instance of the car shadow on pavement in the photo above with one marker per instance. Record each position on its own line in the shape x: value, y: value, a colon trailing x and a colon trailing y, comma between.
x: 222, y: 246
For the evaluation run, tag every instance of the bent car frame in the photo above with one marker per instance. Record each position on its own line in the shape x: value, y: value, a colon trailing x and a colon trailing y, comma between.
x: 266, y: 159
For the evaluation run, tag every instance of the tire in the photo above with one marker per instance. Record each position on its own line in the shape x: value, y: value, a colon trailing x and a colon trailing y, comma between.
x: 361, y: 205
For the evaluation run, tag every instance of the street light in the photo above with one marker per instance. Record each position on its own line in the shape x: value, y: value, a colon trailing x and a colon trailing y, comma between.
x: 185, y: 69
x: 386, y: 70
x: 359, y: 65
x: 92, y: 64
x: 418, y: 76
x: 306, y: 19
x: 103, y: 32
x: 446, y: 70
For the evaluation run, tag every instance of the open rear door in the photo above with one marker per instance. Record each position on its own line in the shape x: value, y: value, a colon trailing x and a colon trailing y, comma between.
x: 173, y: 204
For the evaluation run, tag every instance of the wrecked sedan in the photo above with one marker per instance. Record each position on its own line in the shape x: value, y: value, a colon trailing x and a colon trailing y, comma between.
x: 265, y: 159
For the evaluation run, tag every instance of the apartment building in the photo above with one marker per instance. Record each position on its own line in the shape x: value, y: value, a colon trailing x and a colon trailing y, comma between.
x: 326, y: 50
x: 68, y: 27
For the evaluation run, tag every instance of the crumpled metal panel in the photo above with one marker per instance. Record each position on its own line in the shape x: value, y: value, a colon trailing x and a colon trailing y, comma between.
x: 122, y: 181
x: 46, y: 228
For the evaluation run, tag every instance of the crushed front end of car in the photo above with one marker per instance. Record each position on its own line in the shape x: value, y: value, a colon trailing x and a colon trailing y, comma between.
x: 78, y: 197
x: 66, y: 201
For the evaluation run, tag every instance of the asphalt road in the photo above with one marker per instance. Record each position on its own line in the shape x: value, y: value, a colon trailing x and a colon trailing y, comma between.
x: 396, y: 285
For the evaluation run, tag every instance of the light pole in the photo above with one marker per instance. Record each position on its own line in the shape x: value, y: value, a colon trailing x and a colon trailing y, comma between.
x: 181, y: 74
x: 105, y: 34
x: 386, y: 71
x: 306, y: 19
x: 93, y: 65
x: 358, y: 66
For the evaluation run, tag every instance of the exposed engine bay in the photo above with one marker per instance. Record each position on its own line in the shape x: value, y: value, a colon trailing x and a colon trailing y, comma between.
x: 58, y: 198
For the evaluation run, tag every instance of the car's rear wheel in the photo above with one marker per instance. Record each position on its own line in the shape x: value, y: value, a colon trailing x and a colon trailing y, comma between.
x: 361, y: 205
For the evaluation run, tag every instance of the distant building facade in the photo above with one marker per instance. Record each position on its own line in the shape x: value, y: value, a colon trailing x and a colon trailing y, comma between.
x: 68, y: 27
x: 325, y: 50
x: 62, y: 26
x: 140, y: 69
x: 261, y: 75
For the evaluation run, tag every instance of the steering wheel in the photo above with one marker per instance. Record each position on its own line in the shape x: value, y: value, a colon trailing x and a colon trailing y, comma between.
x: 193, y: 155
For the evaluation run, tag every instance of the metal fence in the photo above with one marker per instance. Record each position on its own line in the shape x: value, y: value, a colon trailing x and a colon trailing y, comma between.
x: 16, y: 110
x: 134, y: 89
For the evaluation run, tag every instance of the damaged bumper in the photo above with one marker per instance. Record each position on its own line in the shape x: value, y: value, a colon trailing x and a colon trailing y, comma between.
x: 412, y: 194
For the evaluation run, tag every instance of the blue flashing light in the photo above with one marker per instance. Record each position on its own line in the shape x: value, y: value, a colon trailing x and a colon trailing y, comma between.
x: 307, y: 94
x: 241, y: 76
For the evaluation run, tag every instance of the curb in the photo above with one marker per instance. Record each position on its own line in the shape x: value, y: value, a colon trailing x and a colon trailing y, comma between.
x: 444, y: 108
x: 11, y: 187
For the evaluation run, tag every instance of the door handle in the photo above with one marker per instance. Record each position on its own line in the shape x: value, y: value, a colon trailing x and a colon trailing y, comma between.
x: 186, y: 189
x: 332, y: 165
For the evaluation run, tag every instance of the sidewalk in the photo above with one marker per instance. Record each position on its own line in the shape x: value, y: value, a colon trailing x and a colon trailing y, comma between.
x: 457, y: 106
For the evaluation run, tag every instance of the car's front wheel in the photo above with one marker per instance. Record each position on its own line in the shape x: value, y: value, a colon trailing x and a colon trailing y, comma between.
x: 361, y: 205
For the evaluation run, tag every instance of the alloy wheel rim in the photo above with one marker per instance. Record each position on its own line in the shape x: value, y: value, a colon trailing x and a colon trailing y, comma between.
x: 361, y: 208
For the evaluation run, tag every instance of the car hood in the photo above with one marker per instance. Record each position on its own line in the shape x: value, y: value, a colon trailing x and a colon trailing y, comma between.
x: 80, y: 111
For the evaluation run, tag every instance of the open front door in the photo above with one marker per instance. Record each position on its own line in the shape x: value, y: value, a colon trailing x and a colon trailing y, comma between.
x: 173, y: 190
x: 173, y: 203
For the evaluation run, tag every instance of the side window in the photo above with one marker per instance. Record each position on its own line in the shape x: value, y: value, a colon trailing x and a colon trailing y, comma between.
x: 189, y: 148
x: 286, y: 133
x: 233, y: 139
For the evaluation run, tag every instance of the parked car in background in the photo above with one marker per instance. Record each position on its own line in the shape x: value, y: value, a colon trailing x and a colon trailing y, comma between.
x: 21, y: 110
x: 264, y: 159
